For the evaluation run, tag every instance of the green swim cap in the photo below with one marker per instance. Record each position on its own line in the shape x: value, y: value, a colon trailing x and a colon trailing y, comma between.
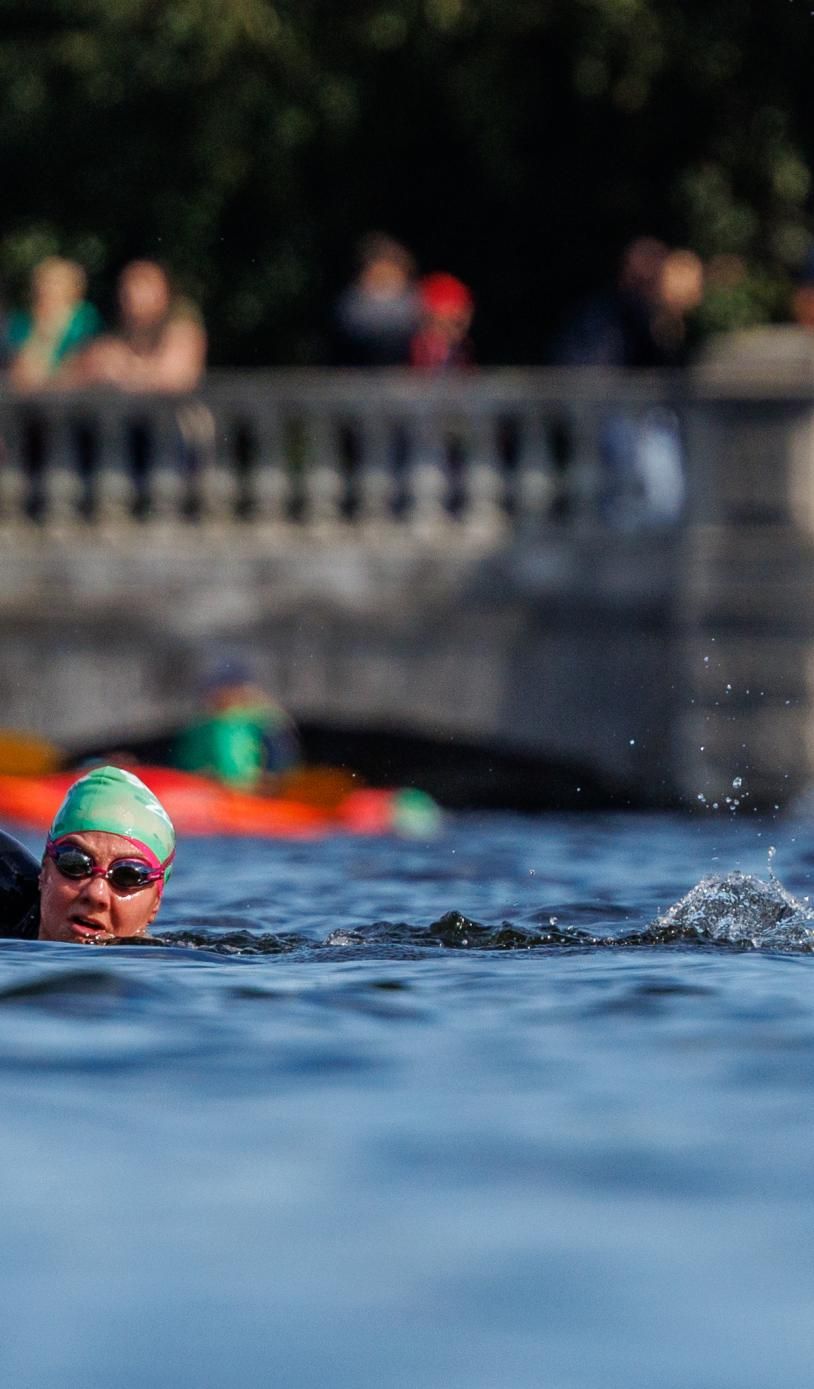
x: 115, y: 801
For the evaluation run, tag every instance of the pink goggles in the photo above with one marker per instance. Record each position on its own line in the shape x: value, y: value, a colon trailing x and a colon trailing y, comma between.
x: 125, y: 875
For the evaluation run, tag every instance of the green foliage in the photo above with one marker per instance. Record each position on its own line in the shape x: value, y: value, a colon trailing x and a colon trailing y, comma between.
x: 249, y: 143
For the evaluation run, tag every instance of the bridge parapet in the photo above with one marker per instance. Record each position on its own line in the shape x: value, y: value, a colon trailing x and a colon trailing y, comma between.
x: 480, y: 451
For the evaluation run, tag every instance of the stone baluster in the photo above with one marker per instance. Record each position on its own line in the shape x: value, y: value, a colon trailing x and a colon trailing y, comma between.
x: 376, y: 468
x: 210, y: 457
x: 61, y: 482
x: 584, y: 480
x: 428, y: 484
x: 322, y: 477
x: 270, y: 489
x: 114, y: 489
x: 14, y: 485
x: 166, y: 484
x: 535, y: 484
x: 484, y: 508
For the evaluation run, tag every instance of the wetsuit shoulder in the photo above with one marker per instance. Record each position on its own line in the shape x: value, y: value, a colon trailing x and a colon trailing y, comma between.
x: 19, y: 890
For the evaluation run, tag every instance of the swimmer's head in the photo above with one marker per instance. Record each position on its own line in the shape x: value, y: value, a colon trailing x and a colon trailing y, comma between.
x: 108, y: 855
x: 112, y: 801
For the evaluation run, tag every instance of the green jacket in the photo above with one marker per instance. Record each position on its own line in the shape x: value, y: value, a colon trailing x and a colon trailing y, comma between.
x: 83, y: 325
x: 238, y: 746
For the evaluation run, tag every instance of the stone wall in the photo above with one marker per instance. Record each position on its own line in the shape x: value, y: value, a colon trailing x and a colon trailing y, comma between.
x: 549, y: 652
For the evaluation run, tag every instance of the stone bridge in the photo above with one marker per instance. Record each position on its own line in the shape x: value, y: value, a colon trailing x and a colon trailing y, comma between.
x: 516, y: 587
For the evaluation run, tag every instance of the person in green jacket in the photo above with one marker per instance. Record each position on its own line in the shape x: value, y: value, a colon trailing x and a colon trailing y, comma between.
x: 58, y: 325
x: 244, y: 738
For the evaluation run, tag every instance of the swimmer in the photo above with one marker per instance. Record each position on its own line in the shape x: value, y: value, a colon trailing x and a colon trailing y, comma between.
x: 107, y: 858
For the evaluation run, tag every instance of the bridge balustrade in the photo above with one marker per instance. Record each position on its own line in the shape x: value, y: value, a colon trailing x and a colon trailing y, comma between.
x: 480, y: 452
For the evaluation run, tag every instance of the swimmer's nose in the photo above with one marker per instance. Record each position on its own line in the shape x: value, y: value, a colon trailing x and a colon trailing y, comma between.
x: 97, y: 888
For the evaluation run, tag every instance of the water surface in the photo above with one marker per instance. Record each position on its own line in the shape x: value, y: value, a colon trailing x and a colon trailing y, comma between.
x: 419, y: 1115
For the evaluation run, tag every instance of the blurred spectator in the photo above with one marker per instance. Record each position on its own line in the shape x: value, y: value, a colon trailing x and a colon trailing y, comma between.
x: 615, y: 328
x: 59, y: 323
x: 642, y: 322
x: 442, y: 340
x: 159, y: 348
x: 376, y: 316
x: 161, y: 342
x: 679, y: 295
x: 243, y: 737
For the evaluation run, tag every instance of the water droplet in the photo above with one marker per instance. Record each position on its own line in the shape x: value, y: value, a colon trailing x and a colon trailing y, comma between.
x: 706, y: 660
x: 532, y: 873
x: 737, y: 783
x: 632, y: 742
x: 552, y: 921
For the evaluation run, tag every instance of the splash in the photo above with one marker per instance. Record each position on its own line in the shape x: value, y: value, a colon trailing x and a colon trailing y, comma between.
x: 742, y: 911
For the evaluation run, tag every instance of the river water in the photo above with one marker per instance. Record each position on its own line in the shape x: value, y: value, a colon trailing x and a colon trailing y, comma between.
x: 406, y: 1115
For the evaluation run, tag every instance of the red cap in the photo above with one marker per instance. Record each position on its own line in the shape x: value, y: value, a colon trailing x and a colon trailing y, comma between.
x: 443, y: 294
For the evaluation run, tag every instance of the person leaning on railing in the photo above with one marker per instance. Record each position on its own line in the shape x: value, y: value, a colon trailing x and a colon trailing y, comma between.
x: 60, y: 323
x: 159, y: 348
x: 160, y: 343
x: 442, y: 342
x: 44, y: 343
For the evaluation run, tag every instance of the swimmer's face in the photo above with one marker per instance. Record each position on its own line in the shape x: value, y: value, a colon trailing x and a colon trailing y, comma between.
x: 90, y: 909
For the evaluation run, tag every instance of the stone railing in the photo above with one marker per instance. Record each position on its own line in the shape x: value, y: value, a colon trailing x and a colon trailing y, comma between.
x: 481, y: 452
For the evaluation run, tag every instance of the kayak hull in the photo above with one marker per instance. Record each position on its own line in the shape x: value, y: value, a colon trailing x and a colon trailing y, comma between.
x: 200, y: 806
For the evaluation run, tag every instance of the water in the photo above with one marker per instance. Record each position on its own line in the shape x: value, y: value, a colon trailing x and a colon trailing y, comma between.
x: 409, y: 1159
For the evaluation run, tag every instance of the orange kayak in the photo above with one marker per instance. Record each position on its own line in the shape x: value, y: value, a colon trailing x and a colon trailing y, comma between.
x: 198, y: 805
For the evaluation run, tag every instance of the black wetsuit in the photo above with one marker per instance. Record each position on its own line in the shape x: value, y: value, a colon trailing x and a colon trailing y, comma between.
x: 19, y: 891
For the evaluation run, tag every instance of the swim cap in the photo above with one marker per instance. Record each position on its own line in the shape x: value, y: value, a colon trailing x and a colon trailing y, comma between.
x: 116, y: 802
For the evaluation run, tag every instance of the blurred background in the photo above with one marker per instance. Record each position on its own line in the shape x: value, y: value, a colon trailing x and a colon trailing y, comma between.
x: 251, y: 145
x: 407, y: 423
x: 447, y: 365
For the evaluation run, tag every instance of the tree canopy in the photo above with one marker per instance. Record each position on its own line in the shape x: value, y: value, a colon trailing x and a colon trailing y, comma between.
x: 517, y: 143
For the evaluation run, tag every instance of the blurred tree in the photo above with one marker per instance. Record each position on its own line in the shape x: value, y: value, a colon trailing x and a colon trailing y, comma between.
x: 249, y: 143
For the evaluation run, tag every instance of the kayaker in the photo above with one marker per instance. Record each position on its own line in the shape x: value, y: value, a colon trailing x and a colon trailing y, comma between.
x: 243, y: 738
x: 107, y: 858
